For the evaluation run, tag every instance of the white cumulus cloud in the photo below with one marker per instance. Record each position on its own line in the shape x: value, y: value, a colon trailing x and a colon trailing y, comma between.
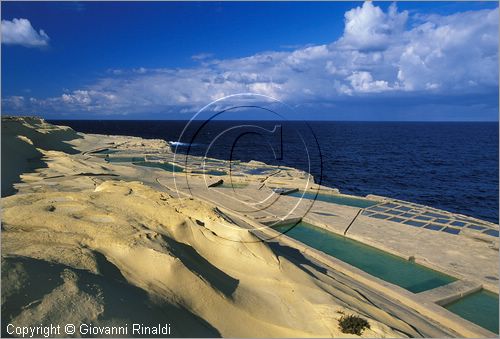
x: 20, y: 32
x: 369, y: 28
x: 363, y: 82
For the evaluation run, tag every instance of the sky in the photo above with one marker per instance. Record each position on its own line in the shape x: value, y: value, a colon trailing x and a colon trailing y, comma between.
x: 382, y: 61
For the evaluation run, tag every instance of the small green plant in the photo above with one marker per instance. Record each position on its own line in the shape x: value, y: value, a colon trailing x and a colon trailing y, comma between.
x: 353, y: 324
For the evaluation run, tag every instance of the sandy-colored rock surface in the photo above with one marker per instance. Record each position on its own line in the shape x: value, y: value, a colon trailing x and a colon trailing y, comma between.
x: 80, y: 245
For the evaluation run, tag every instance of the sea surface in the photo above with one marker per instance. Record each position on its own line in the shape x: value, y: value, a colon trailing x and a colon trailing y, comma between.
x: 451, y: 166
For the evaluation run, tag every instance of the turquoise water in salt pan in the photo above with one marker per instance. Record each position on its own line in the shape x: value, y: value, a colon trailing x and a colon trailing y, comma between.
x: 336, y: 199
x: 409, y: 275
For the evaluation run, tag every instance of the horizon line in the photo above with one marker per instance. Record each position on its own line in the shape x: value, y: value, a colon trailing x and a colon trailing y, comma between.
x: 289, y: 120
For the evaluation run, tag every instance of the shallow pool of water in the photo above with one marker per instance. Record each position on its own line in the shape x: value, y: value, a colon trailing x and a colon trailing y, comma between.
x: 409, y: 275
x: 106, y: 151
x: 481, y: 308
x: 336, y: 199
x: 165, y: 166
x: 260, y: 170
x: 233, y: 185
x: 124, y: 159
x: 210, y: 172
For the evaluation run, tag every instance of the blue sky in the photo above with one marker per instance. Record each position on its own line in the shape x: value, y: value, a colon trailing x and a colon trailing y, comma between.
x: 328, y: 60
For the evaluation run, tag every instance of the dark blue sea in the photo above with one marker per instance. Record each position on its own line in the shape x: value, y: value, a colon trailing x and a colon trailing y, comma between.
x: 452, y: 166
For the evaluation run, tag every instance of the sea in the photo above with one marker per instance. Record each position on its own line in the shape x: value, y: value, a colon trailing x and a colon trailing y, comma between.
x: 446, y: 165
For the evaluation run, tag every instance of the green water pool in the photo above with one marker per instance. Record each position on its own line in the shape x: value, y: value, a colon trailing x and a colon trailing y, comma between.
x: 229, y: 184
x: 409, y: 275
x: 165, y: 166
x: 336, y: 199
x: 210, y: 172
x: 480, y: 308
x: 124, y: 159
x: 106, y: 151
